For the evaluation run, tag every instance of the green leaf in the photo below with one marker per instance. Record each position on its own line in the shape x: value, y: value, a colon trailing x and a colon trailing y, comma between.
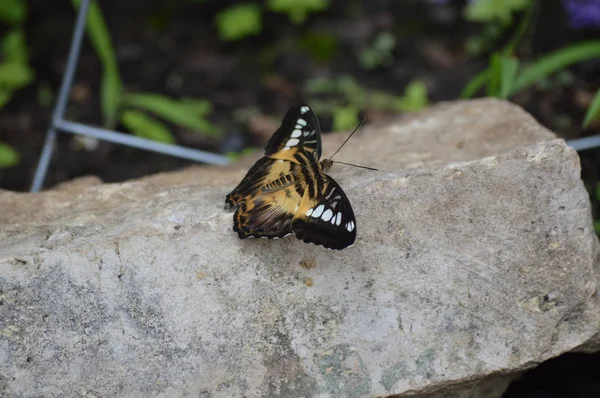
x: 320, y: 46
x: 239, y: 21
x: 475, y: 84
x: 15, y: 75
x: 593, y: 111
x: 597, y: 226
x: 345, y: 118
x: 297, y: 10
x: 509, y: 67
x: 14, y: 47
x: 13, y: 12
x: 556, y: 61
x: 5, y: 96
x: 171, y: 110
x: 111, y: 81
x: 198, y: 107
x: 493, y: 87
x: 414, y: 98
x: 8, y: 156
x: 145, y: 126
x: 494, y: 10
x: 110, y: 96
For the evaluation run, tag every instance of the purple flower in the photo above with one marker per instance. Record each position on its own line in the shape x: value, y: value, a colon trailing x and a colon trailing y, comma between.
x: 583, y: 13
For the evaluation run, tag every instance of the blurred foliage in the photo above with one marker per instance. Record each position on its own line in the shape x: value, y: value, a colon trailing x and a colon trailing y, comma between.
x: 506, y: 75
x: 15, y: 72
x: 13, y: 12
x: 485, y: 11
x: 345, y: 117
x: 187, y: 113
x: 320, y: 46
x: 496, y: 18
x: 239, y: 21
x: 117, y: 105
x: 110, y: 86
x: 8, y: 156
x: 379, y: 53
x: 233, y: 156
x: 145, y: 126
x: 297, y: 10
x: 345, y: 97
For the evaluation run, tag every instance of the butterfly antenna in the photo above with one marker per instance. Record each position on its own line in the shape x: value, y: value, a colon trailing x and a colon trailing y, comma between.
x: 355, y: 165
x: 350, y: 136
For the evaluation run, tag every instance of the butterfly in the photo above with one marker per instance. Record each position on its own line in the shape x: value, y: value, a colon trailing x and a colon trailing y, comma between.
x: 287, y: 191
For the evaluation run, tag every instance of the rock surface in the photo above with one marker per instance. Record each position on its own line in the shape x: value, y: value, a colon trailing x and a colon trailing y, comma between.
x: 475, y: 259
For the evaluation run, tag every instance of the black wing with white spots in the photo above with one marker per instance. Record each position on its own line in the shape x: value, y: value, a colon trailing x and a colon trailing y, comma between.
x: 329, y: 221
x: 299, y: 130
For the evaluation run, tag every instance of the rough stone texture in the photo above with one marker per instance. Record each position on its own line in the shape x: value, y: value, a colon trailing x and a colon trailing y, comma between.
x: 474, y: 261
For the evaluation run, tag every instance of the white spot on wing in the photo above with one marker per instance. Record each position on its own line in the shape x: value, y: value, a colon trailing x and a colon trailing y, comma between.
x: 338, y: 218
x: 292, y: 142
x: 318, y: 211
x: 350, y: 226
x: 301, y: 122
x: 309, y: 212
x: 306, y: 133
x: 296, y: 133
x: 304, y: 109
x: 327, y: 215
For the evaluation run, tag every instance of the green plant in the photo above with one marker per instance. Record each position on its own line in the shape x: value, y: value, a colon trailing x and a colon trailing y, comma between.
x: 500, y: 11
x: 131, y: 108
x: 379, y: 53
x: 320, y: 46
x: 297, y: 10
x: 8, y: 156
x: 346, y: 97
x: 506, y: 75
x: 239, y: 21
x: 15, y: 72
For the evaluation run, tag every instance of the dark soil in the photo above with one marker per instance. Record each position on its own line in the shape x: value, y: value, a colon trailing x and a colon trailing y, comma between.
x: 172, y: 47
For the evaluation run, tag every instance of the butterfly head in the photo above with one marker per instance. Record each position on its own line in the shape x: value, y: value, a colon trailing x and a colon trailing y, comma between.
x: 326, y: 164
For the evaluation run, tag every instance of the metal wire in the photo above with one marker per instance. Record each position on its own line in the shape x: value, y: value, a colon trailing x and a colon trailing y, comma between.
x: 59, y: 125
x: 582, y: 144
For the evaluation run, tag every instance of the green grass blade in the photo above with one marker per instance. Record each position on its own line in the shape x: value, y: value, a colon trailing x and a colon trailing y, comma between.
x: 111, y: 81
x: 493, y: 87
x: 509, y: 67
x: 556, y: 61
x: 593, y: 111
x: 475, y: 84
x: 170, y: 110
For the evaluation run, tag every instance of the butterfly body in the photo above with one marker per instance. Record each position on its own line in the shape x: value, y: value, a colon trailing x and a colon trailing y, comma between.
x: 287, y: 190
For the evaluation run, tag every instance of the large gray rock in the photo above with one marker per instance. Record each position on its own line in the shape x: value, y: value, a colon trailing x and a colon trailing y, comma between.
x: 474, y: 261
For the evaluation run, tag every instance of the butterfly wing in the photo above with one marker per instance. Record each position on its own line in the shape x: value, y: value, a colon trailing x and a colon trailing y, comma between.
x: 299, y: 130
x: 329, y: 220
x: 265, y: 200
